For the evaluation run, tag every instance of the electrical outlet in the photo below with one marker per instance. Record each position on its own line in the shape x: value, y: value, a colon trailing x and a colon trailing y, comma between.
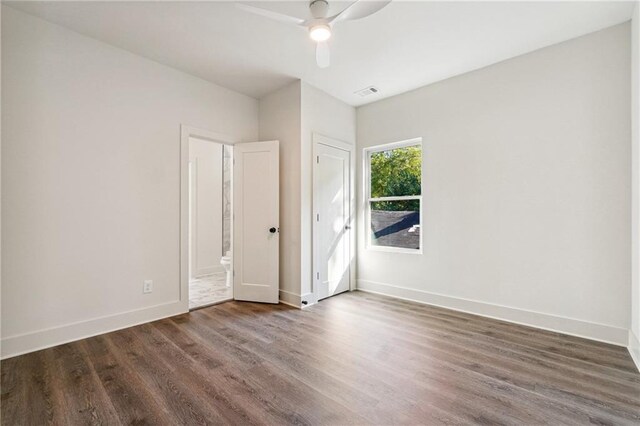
x: 147, y: 287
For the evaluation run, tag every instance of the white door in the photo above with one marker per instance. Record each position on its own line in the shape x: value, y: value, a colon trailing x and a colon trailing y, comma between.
x: 332, y: 235
x: 256, y: 229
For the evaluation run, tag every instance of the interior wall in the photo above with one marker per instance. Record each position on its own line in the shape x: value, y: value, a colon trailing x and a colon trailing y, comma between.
x: 280, y: 120
x: 634, y: 335
x: 526, y: 189
x: 206, y: 206
x: 328, y: 116
x: 0, y: 181
x: 91, y: 181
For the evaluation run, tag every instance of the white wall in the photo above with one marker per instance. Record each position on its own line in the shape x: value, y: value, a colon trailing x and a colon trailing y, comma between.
x: 206, y: 206
x: 280, y: 120
x: 0, y: 183
x: 328, y: 116
x: 91, y: 181
x: 634, y: 335
x: 526, y: 189
x: 291, y: 115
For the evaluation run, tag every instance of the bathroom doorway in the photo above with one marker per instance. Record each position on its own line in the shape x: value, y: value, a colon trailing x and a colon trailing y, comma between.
x: 210, y: 222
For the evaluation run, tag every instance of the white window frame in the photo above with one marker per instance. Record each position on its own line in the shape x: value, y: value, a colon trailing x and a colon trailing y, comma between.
x: 368, y: 199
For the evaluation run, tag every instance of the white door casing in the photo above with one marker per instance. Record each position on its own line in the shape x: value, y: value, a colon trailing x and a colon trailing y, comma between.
x: 333, y: 251
x: 256, y: 221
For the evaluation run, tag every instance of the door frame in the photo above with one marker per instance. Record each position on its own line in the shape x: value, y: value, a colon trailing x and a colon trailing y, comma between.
x: 319, y: 139
x: 187, y: 132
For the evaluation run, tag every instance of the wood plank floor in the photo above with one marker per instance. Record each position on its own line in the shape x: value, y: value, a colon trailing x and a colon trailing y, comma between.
x: 356, y: 358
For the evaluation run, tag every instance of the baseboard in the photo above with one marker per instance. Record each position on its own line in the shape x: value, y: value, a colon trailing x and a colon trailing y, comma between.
x: 202, y: 272
x: 290, y: 299
x: 571, y: 326
x: 42, y: 339
x: 634, y: 349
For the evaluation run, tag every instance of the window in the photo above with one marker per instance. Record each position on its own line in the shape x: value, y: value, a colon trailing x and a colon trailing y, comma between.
x: 394, y: 196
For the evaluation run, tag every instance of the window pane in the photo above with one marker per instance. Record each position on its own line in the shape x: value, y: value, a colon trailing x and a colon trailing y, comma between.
x: 396, y: 172
x: 395, y: 224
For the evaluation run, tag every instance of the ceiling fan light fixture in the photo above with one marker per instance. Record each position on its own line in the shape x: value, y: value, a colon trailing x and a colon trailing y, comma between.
x: 319, y: 26
x: 320, y: 32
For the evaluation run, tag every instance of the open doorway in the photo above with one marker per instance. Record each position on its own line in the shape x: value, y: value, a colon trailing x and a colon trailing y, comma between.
x: 241, y: 211
x: 210, y: 222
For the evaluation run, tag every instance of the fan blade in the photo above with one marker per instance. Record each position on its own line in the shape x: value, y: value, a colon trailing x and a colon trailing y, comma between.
x: 323, y: 57
x: 270, y: 14
x: 359, y: 9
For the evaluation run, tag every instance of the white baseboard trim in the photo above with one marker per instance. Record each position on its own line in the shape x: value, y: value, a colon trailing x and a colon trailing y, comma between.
x: 203, y: 272
x: 42, y: 339
x: 290, y: 299
x: 634, y: 348
x: 574, y: 327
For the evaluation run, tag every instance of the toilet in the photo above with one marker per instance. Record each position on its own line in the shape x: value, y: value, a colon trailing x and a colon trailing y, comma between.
x: 225, y: 261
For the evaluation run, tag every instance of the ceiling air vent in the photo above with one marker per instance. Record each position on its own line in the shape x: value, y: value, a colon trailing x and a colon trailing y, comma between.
x: 367, y: 91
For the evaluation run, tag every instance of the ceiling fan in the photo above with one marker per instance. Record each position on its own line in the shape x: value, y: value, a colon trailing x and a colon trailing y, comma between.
x: 319, y: 25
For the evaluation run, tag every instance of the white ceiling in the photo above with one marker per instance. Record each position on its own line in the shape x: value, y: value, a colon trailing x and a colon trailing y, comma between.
x: 404, y: 46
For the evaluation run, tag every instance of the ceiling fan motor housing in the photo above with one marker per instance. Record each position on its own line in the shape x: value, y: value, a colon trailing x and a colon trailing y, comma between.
x: 319, y: 8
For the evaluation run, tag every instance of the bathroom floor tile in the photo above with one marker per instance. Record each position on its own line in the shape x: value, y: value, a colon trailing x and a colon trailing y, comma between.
x: 208, y: 289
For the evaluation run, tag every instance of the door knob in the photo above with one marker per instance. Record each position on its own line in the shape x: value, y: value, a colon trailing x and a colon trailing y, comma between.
x: 272, y: 230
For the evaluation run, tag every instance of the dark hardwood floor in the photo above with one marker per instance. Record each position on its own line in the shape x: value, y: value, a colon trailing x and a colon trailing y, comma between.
x: 356, y: 358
